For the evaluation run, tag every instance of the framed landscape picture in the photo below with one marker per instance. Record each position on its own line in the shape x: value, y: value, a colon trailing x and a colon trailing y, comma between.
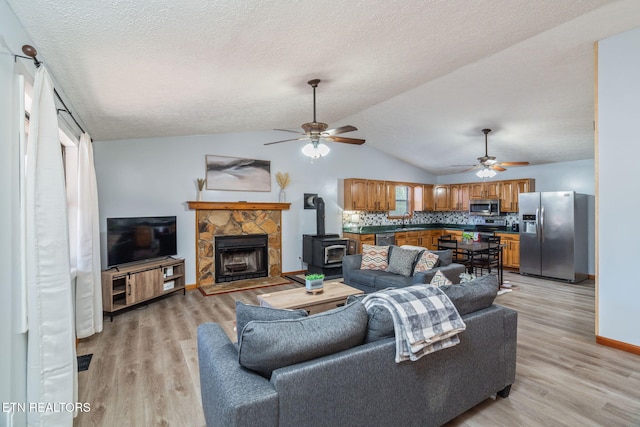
x: 238, y: 174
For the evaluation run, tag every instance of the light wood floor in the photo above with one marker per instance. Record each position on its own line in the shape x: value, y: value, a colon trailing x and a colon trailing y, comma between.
x: 144, y: 370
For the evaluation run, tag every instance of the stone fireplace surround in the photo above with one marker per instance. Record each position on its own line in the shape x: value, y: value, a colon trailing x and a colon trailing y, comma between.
x: 232, y: 219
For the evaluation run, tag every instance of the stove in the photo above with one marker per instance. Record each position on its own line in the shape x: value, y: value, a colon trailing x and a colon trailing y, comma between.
x: 485, y: 227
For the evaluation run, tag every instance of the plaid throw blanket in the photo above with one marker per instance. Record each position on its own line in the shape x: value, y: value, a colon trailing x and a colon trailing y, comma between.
x: 425, y: 319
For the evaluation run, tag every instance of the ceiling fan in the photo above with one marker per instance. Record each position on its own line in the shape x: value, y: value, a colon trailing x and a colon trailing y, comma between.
x: 316, y: 131
x: 488, y: 165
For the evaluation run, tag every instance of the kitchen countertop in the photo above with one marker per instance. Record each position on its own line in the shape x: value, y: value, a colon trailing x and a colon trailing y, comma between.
x: 377, y: 229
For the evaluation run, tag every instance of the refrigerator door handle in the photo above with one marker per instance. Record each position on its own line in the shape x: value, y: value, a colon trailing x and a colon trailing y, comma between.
x: 542, y: 225
x: 538, y: 224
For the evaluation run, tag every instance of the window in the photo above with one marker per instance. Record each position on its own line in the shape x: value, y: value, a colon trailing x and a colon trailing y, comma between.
x: 403, y: 202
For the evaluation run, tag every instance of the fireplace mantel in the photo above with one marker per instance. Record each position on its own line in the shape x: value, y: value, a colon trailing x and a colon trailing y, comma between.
x: 245, y: 206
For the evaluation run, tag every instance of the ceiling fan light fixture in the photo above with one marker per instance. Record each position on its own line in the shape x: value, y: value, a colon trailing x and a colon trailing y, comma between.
x: 486, y: 173
x: 315, y: 150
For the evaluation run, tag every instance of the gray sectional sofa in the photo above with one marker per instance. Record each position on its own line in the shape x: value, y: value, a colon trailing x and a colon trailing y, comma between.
x: 362, y: 385
x: 376, y: 280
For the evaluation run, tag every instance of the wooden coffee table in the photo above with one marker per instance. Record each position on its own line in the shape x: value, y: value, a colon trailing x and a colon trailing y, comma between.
x: 335, y: 293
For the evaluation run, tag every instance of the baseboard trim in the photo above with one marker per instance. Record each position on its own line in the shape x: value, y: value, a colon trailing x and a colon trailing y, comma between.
x: 293, y: 273
x: 190, y: 287
x: 629, y: 348
x: 591, y: 276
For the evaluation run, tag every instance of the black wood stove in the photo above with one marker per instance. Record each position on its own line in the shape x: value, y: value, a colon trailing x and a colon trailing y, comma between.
x: 323, y: 252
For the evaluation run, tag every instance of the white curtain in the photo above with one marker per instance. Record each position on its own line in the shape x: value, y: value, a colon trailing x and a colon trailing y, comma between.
x: 88, y: 293
x: 51, y: 358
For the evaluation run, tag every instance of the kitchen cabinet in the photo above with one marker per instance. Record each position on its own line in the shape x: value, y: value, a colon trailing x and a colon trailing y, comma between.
x: 459, y: 197
x: 511, y: 250
x: 455, y: 234
x: 423, y: 197
x: 522, y: 186
x: 376, y: 195
x: 369, y: 195
x: 510, y: 190
x: 355, y: 194
x: 361, y: 239
x: 441, y: 197
x: 485, y: 190
x: 390, y: 195
x: 408, y: 238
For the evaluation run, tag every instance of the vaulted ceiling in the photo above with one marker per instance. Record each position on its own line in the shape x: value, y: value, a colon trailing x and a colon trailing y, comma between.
x: 419, y: 79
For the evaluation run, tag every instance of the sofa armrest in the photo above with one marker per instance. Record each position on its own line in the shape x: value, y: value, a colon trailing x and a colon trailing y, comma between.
x: 231, y: 394
x: 349, y: 264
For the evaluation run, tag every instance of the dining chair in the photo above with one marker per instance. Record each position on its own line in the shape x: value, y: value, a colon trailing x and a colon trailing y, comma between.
x: 459, y: 256
x: 489, y: 260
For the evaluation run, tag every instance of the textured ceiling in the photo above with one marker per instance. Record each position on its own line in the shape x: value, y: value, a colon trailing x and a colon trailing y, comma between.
x: 414, y: 77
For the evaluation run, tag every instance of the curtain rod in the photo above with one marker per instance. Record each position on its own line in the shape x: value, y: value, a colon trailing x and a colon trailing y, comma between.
x: 31, y: 53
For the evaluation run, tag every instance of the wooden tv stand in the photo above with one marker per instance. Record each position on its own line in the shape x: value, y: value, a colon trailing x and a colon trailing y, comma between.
x: 129, y: 285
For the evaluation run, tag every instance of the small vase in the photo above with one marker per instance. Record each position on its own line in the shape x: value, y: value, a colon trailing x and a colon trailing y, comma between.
x: 199, y: 195
x: 282, y: 197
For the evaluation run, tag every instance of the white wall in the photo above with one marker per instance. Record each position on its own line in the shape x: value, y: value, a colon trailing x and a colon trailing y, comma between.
x: 578, y: 176
x: 156, y: 176
x: 618, y: 153
x: 13, y: 345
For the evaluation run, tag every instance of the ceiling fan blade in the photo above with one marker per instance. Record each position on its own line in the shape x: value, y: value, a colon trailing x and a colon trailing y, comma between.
x: 345, y: 140
x: 341, y: 129
x: 286, y: 140
x: 512, y: 163
x: 289, y: 130
x: 471, y: 168
x: 497, y: 168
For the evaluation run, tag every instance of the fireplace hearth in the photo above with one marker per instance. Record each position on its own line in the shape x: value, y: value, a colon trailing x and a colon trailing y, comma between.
x: 241, y: 257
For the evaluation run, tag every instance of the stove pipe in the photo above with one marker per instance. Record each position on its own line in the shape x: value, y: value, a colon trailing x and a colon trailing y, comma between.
x: 319, y: 203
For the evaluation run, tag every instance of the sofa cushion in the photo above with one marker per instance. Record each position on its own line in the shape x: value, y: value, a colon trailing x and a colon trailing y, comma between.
x: 401, y: 261
x: 439, y: 279
x: 380, y: 324
x: 245, y: 313
x: 366, y: 277
x: 426, y: 261
x: 268, y: 345
x: 375, y: 257
x: 392, y: 280
x: 474, y: 295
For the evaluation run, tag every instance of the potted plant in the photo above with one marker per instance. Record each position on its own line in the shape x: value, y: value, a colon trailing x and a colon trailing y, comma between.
x: 314, y: 282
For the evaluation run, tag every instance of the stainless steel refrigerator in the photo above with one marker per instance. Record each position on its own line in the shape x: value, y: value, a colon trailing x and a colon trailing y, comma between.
x: 553, y: 235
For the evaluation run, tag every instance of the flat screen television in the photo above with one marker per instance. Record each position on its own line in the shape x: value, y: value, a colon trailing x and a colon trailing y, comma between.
x: 140, y: 238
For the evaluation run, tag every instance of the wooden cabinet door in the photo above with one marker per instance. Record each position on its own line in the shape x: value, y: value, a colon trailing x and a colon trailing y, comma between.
x: 355, y: 194
x: 440, y: 197
x: 492, y: 190
x: 465, y: 194
x: 521, y: 186
x: 454, y: 197
x: 435, y: 235
x: 390, y: 195
x: 144, y: 285
x: 427, y: 197
x: 418, y: 198
x: 506, y: 196
x: 476, y: 190
x: 376, y: 195
x: 515, y: 253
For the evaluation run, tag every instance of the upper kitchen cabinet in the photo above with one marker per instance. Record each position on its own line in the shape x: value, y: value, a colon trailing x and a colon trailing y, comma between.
x: 485, y: 190
x: 509, y: 193
x: 369, y: 195
x: 423, y: 197
x: 441, y: 197
x: 459, y: 197
x: 355, y: 194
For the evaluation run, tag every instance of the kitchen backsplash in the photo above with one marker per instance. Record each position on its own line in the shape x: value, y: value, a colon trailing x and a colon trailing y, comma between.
x: 357, y: 219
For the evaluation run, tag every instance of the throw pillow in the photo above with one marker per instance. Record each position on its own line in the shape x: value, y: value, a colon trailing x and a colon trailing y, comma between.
x: 426, y: 262
x: 380, y: 324
x: 440, y: 279
x: 245, y: 313
x: 401, y: 261
x: 374, y: 257
x: 268, y: 345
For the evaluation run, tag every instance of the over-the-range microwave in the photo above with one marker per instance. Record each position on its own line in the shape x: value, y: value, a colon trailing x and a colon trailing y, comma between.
x: 486, y: 207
